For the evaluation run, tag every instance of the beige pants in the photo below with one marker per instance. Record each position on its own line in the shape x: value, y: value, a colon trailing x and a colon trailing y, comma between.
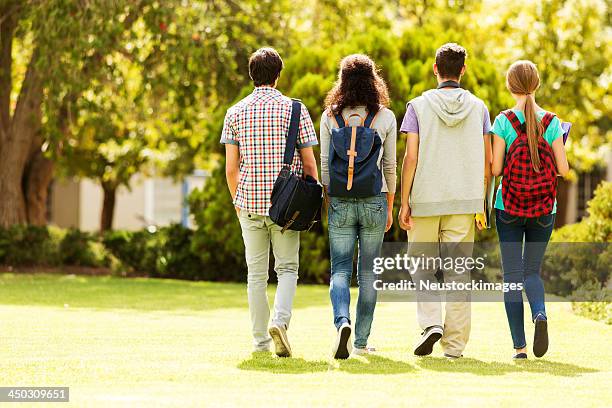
x: 435, y: 237
x: 258, y: 232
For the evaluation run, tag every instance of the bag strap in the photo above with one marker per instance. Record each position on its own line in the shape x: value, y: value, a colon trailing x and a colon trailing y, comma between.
x: 339, y: 121
x: 370, y: 119
x: 514, y: 121
x: 518, y: 127
x: 292, y: 134
x: 548, y: 117
x: 351, y: 153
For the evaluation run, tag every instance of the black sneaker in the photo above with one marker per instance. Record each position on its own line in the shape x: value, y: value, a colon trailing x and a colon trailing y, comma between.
x: 428, y: 338
x: 540, y: 336
x: 520, y: 356
x: 342, y: 345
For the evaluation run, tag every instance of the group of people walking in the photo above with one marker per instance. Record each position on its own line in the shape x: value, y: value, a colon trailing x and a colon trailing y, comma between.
x: 452, y: 152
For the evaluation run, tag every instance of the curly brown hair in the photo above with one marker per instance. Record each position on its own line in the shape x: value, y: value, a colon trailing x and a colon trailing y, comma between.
x: 358, y: 84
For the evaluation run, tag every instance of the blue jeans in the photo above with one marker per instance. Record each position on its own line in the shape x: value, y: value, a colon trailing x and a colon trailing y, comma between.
x: 354, y: 221
x: 523, y: 243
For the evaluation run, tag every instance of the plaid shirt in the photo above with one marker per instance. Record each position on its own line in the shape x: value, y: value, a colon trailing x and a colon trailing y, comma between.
x: 258, y: 124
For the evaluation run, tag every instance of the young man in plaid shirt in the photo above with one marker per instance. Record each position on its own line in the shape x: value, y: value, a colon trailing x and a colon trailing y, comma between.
x: 254, y: 134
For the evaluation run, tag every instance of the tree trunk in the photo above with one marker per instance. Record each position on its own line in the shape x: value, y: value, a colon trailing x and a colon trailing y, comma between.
x: 15, y: 147
x: 562, y: 202
x: 36, y: 185
x: 12, y: 202
x: 108, y: 206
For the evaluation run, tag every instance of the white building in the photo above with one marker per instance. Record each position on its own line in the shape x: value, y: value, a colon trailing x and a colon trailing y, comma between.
x: 150, y: 201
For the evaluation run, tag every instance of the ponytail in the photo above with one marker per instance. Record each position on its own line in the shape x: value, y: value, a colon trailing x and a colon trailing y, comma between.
x: 522, y: 78
x: 534, y: 131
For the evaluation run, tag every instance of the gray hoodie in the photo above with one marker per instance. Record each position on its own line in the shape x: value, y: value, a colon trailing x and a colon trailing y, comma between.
x: 450, y: 171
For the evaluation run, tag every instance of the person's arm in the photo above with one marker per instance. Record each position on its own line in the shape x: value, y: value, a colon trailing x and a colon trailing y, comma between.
x: 487, y: 169
x: 230, y: 139
x: 486, y: 134
x: 409, y: 166
x: 310, y: 163
x: 325, y: 136
x: 389, y: 167
x: 307, y: 137
x: 560, y: 157
x: 488, y: 158
x: 499, y: 151
x: 232, y: 168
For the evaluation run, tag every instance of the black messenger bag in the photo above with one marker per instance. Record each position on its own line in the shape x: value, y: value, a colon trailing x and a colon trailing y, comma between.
x: 296, y: 201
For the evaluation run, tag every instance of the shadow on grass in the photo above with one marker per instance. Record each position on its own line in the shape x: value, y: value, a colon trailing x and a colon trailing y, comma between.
x: 374, y: 364
x: 478, y: 367
x: 266, y: 361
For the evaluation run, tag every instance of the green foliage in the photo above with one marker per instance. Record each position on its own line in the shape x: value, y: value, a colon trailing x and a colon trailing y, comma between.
x: 566, y: 39
x: 593, y: 302
x: 597, y: 227
x: 580, y: 253
x: 81, y: 249
x: 137, y: 251
x: 218, y: 238
x: 29, y: 245
x: 163, y: 253
x: 175, y: 256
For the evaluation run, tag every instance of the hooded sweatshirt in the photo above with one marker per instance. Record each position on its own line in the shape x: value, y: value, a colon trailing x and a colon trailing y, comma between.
x: 450, y: 170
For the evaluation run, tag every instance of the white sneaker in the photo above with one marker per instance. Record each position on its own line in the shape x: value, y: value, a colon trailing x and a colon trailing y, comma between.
x: 281, y: 342
x: 342, y: 346
x: 364, y: 351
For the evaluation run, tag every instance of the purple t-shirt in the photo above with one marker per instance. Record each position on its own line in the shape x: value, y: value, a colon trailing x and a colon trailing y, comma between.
x: 410, y: 124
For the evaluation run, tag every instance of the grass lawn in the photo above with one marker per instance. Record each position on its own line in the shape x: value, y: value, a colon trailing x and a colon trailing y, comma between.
x: 145, y: 342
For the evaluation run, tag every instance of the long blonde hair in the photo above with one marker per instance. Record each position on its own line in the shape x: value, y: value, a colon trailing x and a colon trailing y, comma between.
x: 523, y: 79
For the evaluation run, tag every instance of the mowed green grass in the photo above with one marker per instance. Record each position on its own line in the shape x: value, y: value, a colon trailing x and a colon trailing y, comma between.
x: 146, y: 342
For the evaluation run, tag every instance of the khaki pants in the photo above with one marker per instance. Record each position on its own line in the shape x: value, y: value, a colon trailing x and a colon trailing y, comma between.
x: 258, y: 232
x: 434, y: 237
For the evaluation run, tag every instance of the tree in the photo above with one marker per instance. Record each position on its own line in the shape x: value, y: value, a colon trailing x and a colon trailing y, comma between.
x: 154, y: 95
x: 68, y: 40
x: 111, y: 140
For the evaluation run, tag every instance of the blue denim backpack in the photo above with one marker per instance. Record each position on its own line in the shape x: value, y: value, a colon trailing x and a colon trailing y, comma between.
x: 353, y: 159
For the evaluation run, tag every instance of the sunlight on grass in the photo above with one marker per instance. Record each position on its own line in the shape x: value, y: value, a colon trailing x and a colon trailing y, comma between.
x: 148, y: 342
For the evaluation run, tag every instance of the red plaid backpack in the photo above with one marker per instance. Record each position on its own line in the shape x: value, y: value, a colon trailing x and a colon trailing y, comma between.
x: 525, y: 192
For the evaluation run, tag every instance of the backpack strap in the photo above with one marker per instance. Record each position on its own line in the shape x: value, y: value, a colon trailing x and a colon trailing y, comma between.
x: 339, y: 120
x: 351, y: 153
x: 514, y: 121
x: 292, y: 133
x: 546, y: 120
x: 370, y: 119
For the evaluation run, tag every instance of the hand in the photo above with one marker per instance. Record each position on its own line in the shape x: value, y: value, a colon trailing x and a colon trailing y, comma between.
x: 237, y: 211
x: 389, y: 219
x: 325, y: 199
x: 479, y: 225
x: 405, y: 218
